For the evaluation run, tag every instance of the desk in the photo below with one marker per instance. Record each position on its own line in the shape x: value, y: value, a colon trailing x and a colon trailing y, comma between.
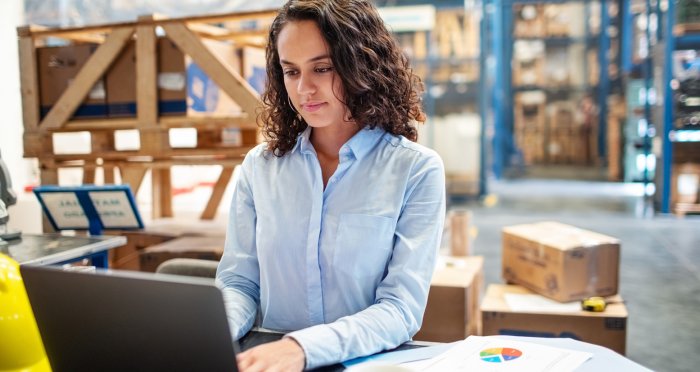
x: 56, y: 249
x: 603, y: 359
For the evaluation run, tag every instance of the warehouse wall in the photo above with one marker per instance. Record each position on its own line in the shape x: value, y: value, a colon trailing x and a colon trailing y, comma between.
x: 26, y: 215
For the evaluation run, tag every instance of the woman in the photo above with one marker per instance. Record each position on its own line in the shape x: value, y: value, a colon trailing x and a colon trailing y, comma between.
x: 336, y: 220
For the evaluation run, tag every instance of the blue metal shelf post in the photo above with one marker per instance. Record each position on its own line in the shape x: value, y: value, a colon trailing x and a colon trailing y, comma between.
x: 668, y: 107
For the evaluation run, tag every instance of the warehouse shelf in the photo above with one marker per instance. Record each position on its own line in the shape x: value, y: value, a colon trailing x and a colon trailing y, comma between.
x: 674, y: 38
x: 500, y: 35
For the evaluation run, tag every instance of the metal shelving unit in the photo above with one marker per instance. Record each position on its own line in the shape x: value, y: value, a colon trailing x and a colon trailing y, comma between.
x: 669, y: 135
x: 497, y: 33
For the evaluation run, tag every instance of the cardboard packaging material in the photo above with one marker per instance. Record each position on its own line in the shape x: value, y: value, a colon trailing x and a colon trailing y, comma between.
x: 58, y: 67
x: 607, y: 328
x: 183, y: 88
x: 201, y: 247
x: 452, y: 312
x: 460, y: 240
x: 560, y: 261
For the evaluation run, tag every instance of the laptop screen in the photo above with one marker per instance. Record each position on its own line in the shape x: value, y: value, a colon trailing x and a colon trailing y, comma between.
x: 129, y: 321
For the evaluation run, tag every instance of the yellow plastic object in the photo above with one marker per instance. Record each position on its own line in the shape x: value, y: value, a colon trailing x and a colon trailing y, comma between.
x: 596, y: 304
x: 21, y: 348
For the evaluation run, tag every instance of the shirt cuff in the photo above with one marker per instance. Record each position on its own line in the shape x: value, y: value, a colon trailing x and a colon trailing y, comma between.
x: 320, y: 344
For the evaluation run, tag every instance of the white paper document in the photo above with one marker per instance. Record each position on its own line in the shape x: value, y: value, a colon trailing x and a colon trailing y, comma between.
x: 498, y: 355
x: 532, y: 303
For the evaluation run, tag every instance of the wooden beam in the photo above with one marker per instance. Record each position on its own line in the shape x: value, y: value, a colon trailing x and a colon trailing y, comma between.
x: 146, y: 85
x: 29, y: 79
x: 226, y: 77
x: 162, y: 201
x: 132, y: 176
x: 48, y: 175
x: 93, y: 69
x: 217, y: 194
x: 108, y: 173
x: 88, y: 175
x: 208, y: 31
x: 214, y: 18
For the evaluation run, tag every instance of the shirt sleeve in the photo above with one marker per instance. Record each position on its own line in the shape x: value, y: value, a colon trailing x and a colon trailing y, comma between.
x: 402, y: 295
x: 238, y: 274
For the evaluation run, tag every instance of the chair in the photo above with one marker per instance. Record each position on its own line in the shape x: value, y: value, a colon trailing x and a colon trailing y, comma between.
x: 189, y: 267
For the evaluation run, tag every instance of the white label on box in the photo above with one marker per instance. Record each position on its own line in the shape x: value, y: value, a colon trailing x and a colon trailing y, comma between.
x: 65, y: 209
x: 171, y: 80
x: 114, y: 209
x: 532, y: 303
x: 98, y: 91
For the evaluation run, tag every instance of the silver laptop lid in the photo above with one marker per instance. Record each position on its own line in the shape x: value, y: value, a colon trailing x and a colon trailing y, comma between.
x: 129, y: 321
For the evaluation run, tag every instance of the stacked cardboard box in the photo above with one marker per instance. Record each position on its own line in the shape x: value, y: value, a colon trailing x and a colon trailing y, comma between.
x: 607, y: 328
x: 452, y: 312
x: 560, y: 261
x: 183, y: 88
x: 58, y: 66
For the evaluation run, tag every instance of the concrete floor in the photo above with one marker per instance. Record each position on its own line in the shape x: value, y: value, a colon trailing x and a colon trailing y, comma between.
x: 660, y: 260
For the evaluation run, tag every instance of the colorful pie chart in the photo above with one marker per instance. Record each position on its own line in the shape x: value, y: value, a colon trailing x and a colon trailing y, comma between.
x: 500, y: 354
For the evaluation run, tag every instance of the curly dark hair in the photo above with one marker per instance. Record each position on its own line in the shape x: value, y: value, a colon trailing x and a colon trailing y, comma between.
x: 379, y: 86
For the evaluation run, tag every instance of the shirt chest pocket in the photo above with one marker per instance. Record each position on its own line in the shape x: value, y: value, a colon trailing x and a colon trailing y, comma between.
x: 363, y: 245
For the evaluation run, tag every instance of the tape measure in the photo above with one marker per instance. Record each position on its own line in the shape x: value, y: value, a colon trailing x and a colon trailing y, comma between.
x: 596, y: 304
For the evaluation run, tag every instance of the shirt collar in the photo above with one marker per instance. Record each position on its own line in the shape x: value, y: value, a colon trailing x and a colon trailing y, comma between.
x: 303, y: 144
x: 362, y: 142
x: 359, y: 145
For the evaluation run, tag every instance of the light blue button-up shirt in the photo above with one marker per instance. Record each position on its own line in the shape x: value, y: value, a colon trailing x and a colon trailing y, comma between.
x: 346, y: 269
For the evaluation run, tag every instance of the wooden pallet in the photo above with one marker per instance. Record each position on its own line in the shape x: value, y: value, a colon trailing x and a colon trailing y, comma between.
x: 189, y: 35
x: 681, y: 209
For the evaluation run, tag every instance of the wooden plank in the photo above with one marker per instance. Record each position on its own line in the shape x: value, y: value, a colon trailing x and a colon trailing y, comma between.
x: 93, y: 69
x: 162, y: 201
x: 88, y: 175
x: 213, y: 18
x: 154, y: 142
x: 204, y: 121
x: 48, y: 175
x: 101, y: 141
x: 132, y: 176
x: 112, y: 124
x: 108, y: 172
x: 29, y: 79
x: 146, y: 86
x: 217, y: 194
x: 209, y: 31
x: 226, y: 77
x: 203, y: 154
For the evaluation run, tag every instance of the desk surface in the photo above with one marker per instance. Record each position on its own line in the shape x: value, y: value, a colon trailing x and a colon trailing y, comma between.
x: 48, y: 249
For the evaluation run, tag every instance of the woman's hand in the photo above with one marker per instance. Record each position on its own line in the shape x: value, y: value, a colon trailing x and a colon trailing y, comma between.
x: 283, y: 355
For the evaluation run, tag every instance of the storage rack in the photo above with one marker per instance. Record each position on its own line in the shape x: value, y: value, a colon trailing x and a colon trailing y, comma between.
x: 155, y: 153
x: 499, y: 20
x: 428, y: 60
x: 674, y: 38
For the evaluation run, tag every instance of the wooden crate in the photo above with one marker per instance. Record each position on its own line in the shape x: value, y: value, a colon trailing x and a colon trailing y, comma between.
x: 155, y: 154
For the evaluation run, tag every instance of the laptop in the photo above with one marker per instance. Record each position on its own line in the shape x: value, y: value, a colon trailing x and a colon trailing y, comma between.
x: 129, y: 321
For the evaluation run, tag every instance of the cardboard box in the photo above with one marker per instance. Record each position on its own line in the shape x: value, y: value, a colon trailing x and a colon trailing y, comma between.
x: 183, y: 88
x: 560, y: 261
x: 58, y: 66
x: 127, y: 257
x: 608, y: 328
x: 452, y: 312
x: 201, y: 247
